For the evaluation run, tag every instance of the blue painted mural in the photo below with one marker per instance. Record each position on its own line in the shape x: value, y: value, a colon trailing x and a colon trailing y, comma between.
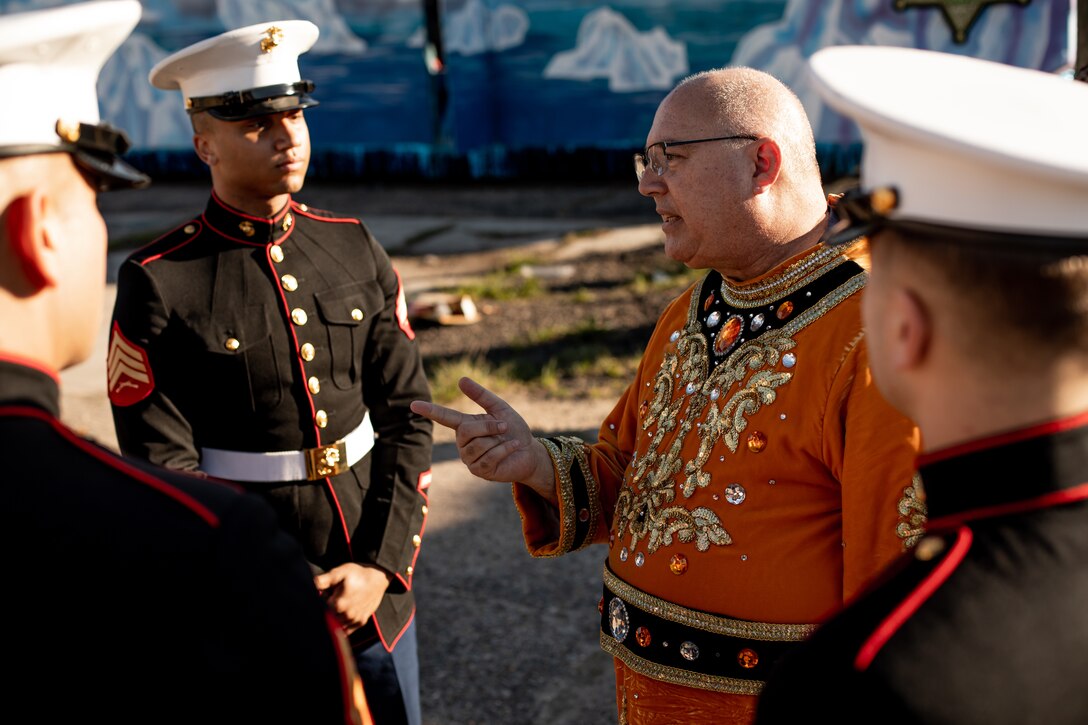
x: 534, y: 88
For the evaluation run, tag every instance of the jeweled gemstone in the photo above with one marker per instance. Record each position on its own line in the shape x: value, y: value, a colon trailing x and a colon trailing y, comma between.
x: 640, y: 559
x: 690, y: 388
x: 689, y: 651
x: 617, y: 619
x: 757, y: 321
x: 583, y: 515
x: 678, y: 564
x: 747, y: 658
x: 623, y: 554
x: 644, y: 408
x: 674, y: 336
x: 784, y: 310
x: 734, y: 494
x: 728, y: 335
x: 600, y: 605
x: 757, y: 442
x: 708, y: 302
x: 642, y: 636
x: 789, y: 360
x: 713, y: 319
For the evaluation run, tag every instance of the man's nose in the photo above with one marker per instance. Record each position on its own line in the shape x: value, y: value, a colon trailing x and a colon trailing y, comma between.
x: 650, y: 184
x: 288, y: 133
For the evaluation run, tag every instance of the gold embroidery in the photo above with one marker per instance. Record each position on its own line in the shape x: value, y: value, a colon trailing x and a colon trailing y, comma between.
x: 913, y: 513
x: 676, y: 676
x: 569, y: 452
x: 788, y: 281
x: 763, y: 631
x: 683, y: 392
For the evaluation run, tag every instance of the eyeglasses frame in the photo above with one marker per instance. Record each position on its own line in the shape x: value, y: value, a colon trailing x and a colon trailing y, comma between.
x: 642, y: 158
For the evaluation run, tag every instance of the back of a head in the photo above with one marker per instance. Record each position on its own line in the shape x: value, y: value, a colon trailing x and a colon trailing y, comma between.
x: 745, y: 100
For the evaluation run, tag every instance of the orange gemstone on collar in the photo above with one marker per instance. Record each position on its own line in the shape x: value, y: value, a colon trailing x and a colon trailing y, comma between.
x: 678, y: 564
x: 784, y: 310
x: 757, y: 442
x: 747, y: 658
x: 642, y: 635
x: 728, y: 335
x: 708, y: 302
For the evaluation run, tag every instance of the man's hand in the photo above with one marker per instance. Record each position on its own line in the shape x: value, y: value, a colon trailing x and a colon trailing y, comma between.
x: 353, y: 592
x: 496, y: 444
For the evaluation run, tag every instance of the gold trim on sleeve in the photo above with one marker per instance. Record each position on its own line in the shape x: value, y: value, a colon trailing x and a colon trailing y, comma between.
x: 571, y: 451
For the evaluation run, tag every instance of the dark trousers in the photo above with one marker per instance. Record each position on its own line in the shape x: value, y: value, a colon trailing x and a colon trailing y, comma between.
x: 391, y: 680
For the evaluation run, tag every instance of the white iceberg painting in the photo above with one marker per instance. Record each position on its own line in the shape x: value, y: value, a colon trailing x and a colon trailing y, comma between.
x: 1005, y: 33
x: 336, y: 36
x: 152, y: 118
x: 609, y: 46
x: 475, y: 29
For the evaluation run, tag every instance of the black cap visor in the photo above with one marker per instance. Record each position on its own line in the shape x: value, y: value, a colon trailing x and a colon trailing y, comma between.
x: 240, y: 105
x: 96, y: 149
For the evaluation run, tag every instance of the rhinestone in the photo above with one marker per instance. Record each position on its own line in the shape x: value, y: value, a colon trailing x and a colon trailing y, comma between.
x: 789, y: 360
x: 747, y: 658
x: 721, y: 458
x: 928, y: 548
x: 357, y: 314
x: 644, y: 408
x: 757, y: 321
x: 640, y: 559
x: 734, y: 494
x: 782, y: 416
x: 728, y: 335
x: 784, y: 310
x: 298, y: 316
x: 189, y: 228
x: 713, y: 319
x: 307, y: 351
x: 690, y: 388
x: 772, y: 482
x: 623, y: 554
x: 617, y: 619
x: 678, y: 564
x: 808, y: 294
x: 715, y: 394
x: 289, y: 282
x: 314, y: 385
x: 689, y: 651
x: 276, y: 253
x: 611, y: 426
x: 583, y: 515
x: 715, y: 496
x: 232, y: 344
x: 321, y: 418
x: 744, y: 557
x: 642, y: 636
x: 757, y: 442
x: 708, y: 302
x: 673, y: 337
x: 600, y: 605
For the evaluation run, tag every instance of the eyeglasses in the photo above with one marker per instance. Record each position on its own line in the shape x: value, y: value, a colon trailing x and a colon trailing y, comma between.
x: 656, y: 156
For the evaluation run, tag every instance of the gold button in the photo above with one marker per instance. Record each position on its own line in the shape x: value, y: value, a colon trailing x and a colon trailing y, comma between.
x: 287, y: 220
x: 276, y: 252
x: 289, y: 282
x: 321, y: 418
x: 307, y: 351
x: 189, y: 228
x: 357, y: 314
x: 314, y: 385
x: 409, y: 571
x: 416, y: 541
x: 232, y: 344
x: 424, y: 510
x: 298, y: 315
x: 303, y: 207
x: 247, y: 228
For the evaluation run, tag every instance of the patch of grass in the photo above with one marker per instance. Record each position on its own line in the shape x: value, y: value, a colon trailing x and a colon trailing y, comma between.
x: 582, y: 296
x: 502, y: 286
x: 444, y: 374
x: 582, y: 329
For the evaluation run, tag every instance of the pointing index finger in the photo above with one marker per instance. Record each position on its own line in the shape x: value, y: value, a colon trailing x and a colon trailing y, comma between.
x: 439, y: 414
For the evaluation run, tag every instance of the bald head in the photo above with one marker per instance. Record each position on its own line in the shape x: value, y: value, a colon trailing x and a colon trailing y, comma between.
x: 745, y: 100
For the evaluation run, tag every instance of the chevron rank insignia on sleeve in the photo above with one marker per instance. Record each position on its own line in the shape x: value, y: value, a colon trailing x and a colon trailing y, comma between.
x: 128, y: 371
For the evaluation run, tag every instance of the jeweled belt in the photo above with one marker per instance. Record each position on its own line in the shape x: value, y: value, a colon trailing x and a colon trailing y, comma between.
x: 684, y: 646
x: 311, y: 464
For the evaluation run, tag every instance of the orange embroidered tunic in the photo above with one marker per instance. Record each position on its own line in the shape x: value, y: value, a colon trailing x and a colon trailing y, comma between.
x: 749, y: 481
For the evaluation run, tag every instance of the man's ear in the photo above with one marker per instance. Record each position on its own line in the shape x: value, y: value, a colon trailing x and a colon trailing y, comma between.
x: 31, y: 247
x: 913, y: 333
x: 768, y: 158
x: 205, y: 149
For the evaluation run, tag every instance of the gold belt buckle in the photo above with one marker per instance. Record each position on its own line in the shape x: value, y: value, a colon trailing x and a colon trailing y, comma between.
x: 325, y: 461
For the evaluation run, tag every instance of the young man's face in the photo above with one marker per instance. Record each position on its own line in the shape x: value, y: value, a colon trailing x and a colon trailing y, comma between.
x: 257, y: 158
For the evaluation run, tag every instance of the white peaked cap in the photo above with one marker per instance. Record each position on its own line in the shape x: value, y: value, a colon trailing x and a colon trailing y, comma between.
x: 256, y: 56
x: 49, y: 65
x: 966, y: 143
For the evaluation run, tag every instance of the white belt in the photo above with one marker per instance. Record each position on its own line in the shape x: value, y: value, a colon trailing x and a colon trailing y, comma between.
x: 310, y: 464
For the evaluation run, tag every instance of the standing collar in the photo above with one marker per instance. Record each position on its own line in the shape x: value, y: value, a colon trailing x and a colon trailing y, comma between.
x: 24, y: 382
x: 1021, y: 470
x: 245, y: 228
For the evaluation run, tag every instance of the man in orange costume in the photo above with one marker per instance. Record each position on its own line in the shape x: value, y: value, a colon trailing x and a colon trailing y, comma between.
x: 751, y: 479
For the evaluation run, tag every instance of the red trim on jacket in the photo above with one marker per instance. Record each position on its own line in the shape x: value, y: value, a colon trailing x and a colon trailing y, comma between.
x: 247, y: 242
x: 1004, y: 439
x: 27, y: 362
x: 907, y: 608
x: 196, y: 233
x: 262, y: 219
x: 339, y: 220
x: 114, y: 462
x: 381, y: 637
x: 1054, y: 498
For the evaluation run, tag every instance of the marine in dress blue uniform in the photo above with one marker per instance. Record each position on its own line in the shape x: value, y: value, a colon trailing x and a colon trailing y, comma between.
x: 978, y: 329
x: 274, y: 350
x: 136, y: 594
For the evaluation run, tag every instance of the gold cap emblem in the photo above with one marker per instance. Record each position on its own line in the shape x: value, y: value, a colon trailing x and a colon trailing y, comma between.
x: 68, y: 130
x: 274, y: 36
